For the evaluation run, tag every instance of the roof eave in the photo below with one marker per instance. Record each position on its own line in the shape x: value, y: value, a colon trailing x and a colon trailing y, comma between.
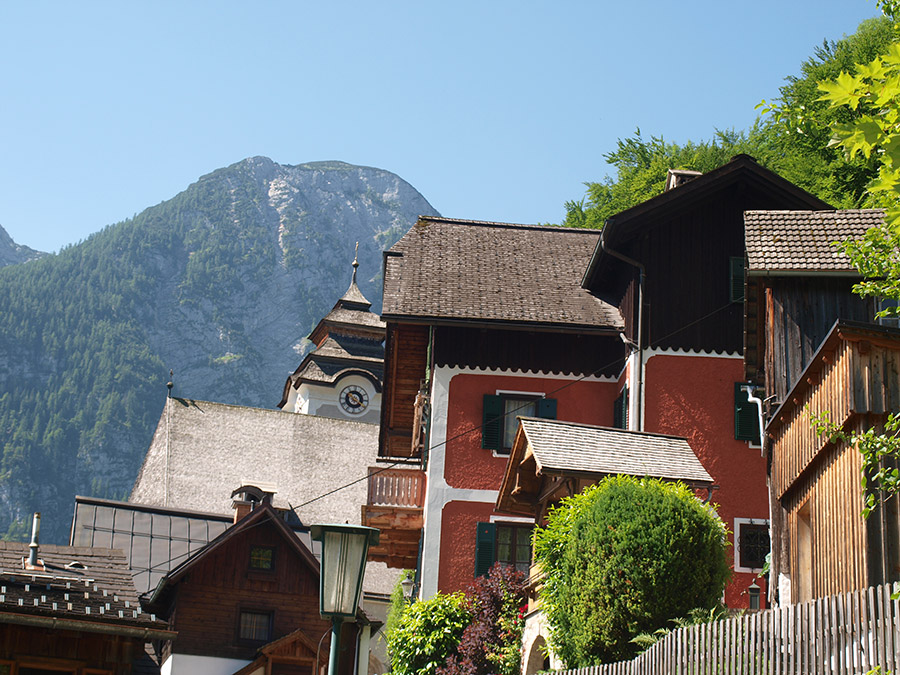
x: 531, y: 326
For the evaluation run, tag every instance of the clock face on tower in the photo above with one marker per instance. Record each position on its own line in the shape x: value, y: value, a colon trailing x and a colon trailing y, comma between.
x: 354, y: 399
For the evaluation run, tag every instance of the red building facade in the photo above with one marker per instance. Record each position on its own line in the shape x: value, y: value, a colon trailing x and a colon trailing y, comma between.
x: 638, y: 327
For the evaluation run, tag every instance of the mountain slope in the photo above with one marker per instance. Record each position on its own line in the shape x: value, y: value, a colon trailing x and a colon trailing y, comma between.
x: 220, y: 284
x: 12, y: 253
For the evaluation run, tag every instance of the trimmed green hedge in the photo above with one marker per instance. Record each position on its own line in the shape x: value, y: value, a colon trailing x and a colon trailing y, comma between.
x: 626, y: 557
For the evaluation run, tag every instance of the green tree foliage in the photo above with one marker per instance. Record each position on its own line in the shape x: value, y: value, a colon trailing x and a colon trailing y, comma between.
x: 641, y: 167
x: 800, y: 122
x: 622, y: 558
x: 865, y: 104
x: 792, y: 141
x: 427, y: 634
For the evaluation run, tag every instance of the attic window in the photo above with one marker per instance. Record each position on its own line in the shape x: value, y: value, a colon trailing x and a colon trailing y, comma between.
x: 262, y: 558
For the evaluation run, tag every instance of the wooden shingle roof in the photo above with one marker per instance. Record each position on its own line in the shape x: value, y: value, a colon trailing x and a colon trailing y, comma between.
x: 802, y: 241
x: 582, y: 449
x: 446, y: 270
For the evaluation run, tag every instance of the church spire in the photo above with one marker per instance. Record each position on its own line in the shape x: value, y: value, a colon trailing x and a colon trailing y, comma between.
x: 353, y: 295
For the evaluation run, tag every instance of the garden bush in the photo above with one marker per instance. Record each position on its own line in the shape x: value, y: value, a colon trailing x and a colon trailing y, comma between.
x: 625, y: 557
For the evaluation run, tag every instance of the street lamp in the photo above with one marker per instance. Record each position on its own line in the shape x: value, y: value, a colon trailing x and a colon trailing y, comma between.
x: 753, y: 592
x: 344, y: 550
x: 408, y: 584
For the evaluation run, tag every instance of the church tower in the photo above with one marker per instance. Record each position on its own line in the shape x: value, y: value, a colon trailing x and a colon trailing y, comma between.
x: 341, y: 377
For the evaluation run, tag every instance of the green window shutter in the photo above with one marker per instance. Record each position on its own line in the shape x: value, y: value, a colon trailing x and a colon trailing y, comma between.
x: 546, y: 408
x: 736, y: 279
x: 746, y: 416
x: 620, y: 410
x: 492, y: 422
x: 485, y: 545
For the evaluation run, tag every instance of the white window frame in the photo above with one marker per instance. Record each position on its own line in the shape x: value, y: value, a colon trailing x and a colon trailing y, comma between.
x: 737, y: 541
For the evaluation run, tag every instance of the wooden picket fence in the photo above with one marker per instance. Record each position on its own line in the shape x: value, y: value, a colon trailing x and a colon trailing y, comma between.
x: 842, y: 634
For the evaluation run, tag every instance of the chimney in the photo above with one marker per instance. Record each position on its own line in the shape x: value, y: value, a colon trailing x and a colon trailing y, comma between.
x: 245, y: 498
x: 33, y: 546
x: 678, y: 177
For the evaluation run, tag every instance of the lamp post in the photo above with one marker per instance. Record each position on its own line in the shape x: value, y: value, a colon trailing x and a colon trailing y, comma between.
x: 344, y: 550
x: 408, y: 584
x: 753, y: 592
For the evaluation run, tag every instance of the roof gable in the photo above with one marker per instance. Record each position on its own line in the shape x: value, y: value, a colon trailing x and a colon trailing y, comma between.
x: 742, y: 169
x: 545, y: 448
x: 445, y: 271
x: 263, y: 513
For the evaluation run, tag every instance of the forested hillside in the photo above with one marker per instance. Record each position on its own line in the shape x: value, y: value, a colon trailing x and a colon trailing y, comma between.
x: 794, y: 146
x: 220, y: 284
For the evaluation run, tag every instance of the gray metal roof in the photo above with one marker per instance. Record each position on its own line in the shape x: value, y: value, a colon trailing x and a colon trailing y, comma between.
x: 454, y: 270
x: 153, y: 539
x: 569, y: 448
x: 803, y: 241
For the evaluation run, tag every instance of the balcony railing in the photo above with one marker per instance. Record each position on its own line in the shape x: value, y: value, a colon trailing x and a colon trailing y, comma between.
x: 396, y: 487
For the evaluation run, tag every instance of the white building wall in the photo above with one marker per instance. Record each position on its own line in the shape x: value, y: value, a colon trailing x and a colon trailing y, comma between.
x: 188, y: 664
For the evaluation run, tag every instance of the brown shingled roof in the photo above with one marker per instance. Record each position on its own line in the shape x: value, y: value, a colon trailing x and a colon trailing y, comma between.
x: 83, y: 588
x: 569, y: 448
x: 452, y: 270
x: 799, y: 241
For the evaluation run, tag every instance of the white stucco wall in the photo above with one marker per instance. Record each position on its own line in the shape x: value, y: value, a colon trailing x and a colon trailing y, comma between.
x: 188, y: 664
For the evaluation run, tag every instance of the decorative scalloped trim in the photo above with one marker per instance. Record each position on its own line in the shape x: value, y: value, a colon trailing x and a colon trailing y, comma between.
x: 691, y: 352
x: 469, y: 370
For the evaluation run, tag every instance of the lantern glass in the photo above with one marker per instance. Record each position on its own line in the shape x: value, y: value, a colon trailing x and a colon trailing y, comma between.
x: 344, y: 550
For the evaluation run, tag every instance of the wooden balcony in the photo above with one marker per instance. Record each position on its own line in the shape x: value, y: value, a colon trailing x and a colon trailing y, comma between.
x: 394, y: 506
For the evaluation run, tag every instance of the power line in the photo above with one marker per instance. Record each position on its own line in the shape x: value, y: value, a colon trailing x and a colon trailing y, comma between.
x: 480, y: 427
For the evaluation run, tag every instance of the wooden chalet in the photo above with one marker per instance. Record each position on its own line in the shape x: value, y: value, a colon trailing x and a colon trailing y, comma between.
x: 251, y: 586
x: 75, y: 611
x: 823, y: 546
x: 674, y: 266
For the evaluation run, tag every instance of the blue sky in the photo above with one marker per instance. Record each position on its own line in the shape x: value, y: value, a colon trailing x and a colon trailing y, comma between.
x: 492, y: 110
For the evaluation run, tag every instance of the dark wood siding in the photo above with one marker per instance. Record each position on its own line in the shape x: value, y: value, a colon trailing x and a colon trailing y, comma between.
x: 799, y: 313
x: 209, y: 600
x: 567, y: 353
x: 687, y: 291
x: 405, y: 368
x: 686, y: 250
x: 108, y: 653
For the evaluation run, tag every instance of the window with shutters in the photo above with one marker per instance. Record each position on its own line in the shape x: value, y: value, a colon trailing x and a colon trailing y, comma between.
x: 736, y: 279
x: 508, y: 543
x: 500, y: 413
x: 746, y: 415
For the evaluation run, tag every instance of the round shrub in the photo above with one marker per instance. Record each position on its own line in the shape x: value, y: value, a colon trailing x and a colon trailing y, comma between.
x: 427, y: 633
x: 625, y: 557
